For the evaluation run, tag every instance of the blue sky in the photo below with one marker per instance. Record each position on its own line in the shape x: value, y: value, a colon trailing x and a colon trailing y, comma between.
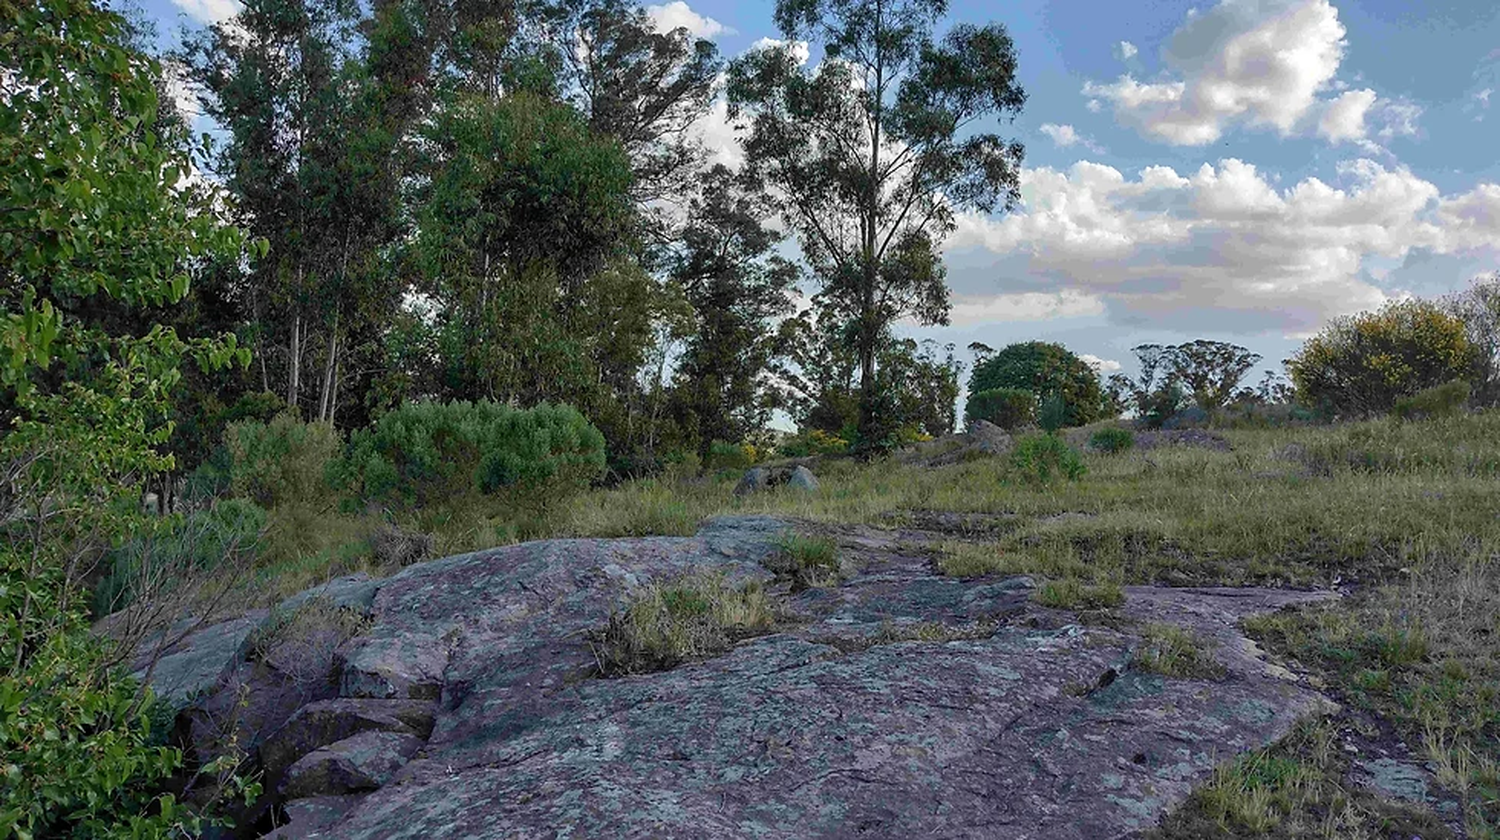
x: 1240, y: 170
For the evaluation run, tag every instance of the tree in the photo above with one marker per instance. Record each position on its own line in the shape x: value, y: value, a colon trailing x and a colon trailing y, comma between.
x: 1361, y: 365
x: 872, y: 152
x: 736, y: 287
x: 95, y: 208
x: 1211, y: 370
x: 1479, y: 308
x: 1044, y: 369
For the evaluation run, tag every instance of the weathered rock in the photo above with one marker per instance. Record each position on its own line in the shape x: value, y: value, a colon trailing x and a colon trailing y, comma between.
x: 325, y: 722
x: 1010, y: 721
x: 351, y: 592
x: 981, y: 439
x: 195, y: 663
x: 802, y: 478
x: 754, y: 480
x: 311, y: 816
x: 358, y: 763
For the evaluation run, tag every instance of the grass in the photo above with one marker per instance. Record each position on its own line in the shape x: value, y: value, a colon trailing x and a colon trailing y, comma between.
x: 1174, y: 652
x: 1071, y: 594
x: 809, y: 562
x: 692, y: 617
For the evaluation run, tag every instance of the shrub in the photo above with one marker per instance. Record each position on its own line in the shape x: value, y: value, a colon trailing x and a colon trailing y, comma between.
x: 730, y: 456
x: 1041, y: 458
x: 1444, y: 400
x: 198, y: 543
x: 1362, y: 365
x: 427, y: 453
x: 1112, y: 441
x: 809, y: 562
x: 1044, y: 369
x: 1053, y: 414
x: 1008, y: 408
x: 814, y: 442
x: 281, y: 462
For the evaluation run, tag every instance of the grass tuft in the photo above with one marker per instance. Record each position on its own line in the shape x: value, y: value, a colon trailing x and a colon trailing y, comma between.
x: 692, y: 617
x: 809, y: 562
x: 1175, y: 652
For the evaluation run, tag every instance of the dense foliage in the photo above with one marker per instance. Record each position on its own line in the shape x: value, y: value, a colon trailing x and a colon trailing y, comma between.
x: 428, y: 453
x: 1007, y: 408
x: 98, y: 222
x: 1361, y: 365
x: 1044, y: 370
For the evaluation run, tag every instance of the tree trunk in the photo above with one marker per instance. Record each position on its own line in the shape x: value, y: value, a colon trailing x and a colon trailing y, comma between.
x: 294, y: 363
x: 325, y: 393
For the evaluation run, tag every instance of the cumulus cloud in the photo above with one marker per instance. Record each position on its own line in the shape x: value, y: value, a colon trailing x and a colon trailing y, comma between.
x: 1103, y: 366
x: 1222, y: 246
x: 1024, y: 306
x: 800, y: 49
x: 1065, y: 135
x: 209, y: 11
x: 1260, y: 63
x: 678, y: 15
x: 1125, y: 50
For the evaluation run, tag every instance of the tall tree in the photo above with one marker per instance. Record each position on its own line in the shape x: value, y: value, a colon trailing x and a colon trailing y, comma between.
x: 736, y: 287
x: 1211, y: 370
x: 872, y: 152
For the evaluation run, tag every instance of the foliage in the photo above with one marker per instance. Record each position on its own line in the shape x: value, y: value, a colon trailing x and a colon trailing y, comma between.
x: 427, y: 453
x: 1039, y: 459
x: 1112, y: 440
x: 200, y: 541
x: 665, y: 624
x: 94, y: 214
x: 1008, y: 408
x: 729, y: 456
x: 1071, y: 594
x: 813, y: 442
x: 807, y: 561
x: 870, y: 157
x: 1360, y: 365
x: 1171, y: 651
x: 1053, y: 413
x: 1210, y: 371
x: 1479, y: 308
x: 1172, y: 377
x: 283, y: 461
x: 1044, y: 369
x: 1443, y: 400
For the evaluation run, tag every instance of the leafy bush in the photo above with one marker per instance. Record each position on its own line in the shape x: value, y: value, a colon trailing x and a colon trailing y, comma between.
x: 1112, y: 441
x: 427, y: 453
x: 196, y: 543
x: 1041, y: 458
x: 1053, y: 414
x: 1008, y: 408
x: 730, y: 456
x: 1044, y: 369
x: 1361, y: 365
x: 814, y: 442
x: 285, y: 461
x: 1444, y: 400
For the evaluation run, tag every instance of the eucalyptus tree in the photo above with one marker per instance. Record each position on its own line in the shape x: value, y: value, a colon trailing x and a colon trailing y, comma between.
x: 873, y: 152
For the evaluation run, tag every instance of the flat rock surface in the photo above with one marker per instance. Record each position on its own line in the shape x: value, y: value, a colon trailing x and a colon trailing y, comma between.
x: 1005, y: 720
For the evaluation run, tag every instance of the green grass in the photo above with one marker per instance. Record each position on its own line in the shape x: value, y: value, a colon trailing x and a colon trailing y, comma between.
x: 692, y: 617
x: 1174, y: 652
x: 809, y: 562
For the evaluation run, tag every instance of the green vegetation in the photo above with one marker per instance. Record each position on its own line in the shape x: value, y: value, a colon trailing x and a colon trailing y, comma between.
x: 1044, y: 370
x: 1443, y: 400
x: 691, y: 617
x: 1112, y: 440
x: 1174, y: 652
x: 1008, y: 408
x: 1040, y: 459
x: 1070, y: 594
x: 807, y: 561
x: 1361, y: 365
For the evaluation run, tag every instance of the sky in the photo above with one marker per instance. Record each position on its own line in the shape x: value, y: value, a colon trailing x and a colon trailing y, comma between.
x: 1242, y: 170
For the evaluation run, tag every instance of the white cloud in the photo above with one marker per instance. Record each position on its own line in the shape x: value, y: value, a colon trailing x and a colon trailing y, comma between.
x: 1126, y: 50
x: 677, y: 14
x: 209, y: 11
x: 1400, y: 119
x: 800, y: 49
x: 1223, y: 246
x: 1344, y: 118
x: 1065, y: 135
x: 1024, y: 306
x: 1260, y: 61
x: 1103, y: 366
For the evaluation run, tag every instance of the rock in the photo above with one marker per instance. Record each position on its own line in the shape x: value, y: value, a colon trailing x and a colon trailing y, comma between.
x: 327, y: 721
x: 981, y: 439
x: 195, y: 663
x: 358, y: 763
x: 802, y: 478
x: 351, y: 592
x: 309, y: 817
x: 1003, y: 719
x: 988, y: 438
x: 754, y: 480
x: 1393, y: 779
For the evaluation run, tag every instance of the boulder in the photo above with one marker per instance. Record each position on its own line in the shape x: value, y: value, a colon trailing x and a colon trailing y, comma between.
x: 194, y: 664
x: 328, y: 721
x: 311, y: 816
x: 802, y: 478
x: 754, y: 480
x: 358, y: 763
x: 757, y: 479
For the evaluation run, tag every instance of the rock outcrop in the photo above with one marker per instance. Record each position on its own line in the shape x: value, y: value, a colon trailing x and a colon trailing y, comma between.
x: 898, y: 704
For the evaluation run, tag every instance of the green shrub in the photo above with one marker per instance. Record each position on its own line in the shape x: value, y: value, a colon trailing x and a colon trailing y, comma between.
x: 1008, y: 408
x: 1444, y: 400
x: 427, y: 453
x: 1045, y: 369
x: 197, y: 543
x: 1112, y: 440
x: 730, y: 456
x: 1053, y: 414
x: 1361, y: 365
x: 814, y: 442
x: 1041, y: 458
x: 284, y: 461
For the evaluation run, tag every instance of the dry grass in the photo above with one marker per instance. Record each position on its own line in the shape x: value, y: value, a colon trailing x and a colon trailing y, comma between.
x: 692, y: 617
x: 1174, y: 652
